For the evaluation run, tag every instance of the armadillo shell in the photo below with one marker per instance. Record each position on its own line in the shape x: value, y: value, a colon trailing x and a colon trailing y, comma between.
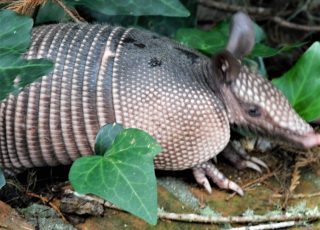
x: 107, y: 74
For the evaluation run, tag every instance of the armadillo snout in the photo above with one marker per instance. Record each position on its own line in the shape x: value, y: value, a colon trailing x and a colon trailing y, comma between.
x: 263, y: 109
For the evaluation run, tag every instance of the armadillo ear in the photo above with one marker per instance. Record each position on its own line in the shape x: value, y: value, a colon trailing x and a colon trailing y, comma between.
x: 225, y: 67
x: 242, y: 37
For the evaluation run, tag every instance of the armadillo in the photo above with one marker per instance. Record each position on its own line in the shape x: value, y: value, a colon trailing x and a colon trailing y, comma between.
x: 186, y: 100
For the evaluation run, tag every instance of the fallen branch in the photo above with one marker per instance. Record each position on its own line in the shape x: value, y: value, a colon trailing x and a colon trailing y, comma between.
x: 255, y: 181
x: 268, y: 226
x: 261, y: 11
x: 233, y: 8
x: 74, y: 15
x: 298, y: 196
x: 291, y: 25
x: 195, y: 218
x: 235, y: 219
x: 25, y: 7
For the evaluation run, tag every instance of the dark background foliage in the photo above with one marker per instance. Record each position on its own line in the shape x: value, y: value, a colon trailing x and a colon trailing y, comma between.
x: 284, y: 31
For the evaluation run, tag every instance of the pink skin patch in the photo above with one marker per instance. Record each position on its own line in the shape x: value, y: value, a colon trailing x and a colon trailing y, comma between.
x: 309, y: 140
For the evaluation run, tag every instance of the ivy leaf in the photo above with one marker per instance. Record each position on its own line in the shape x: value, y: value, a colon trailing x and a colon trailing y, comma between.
x: 105, y: 137
x: 2, y: 179
x: 163, y: 25
x: 124, y: 175
x: 208, y: 42
x: 137, y: 141
x: 172, y: 8
x: 212, y: 41
x: 51, y: 12
x: 15, y: 38
x: 261, y: 50
x: 260, y: 35
x: 28, y: 71
x: 168, y: 26
x: 15, y: 31
x: 301, y: 84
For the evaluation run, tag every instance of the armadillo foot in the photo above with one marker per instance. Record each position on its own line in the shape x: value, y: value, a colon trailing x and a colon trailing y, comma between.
x: 240, y: 159
x: 207, y: 169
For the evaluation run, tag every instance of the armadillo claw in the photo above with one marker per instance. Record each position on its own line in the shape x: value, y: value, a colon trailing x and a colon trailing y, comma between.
x: 207, y: 169
x: 249, y: 164
x: 259, y: 162
x: 200, y: 176
x: 215, y: 159
x: 240, y: 159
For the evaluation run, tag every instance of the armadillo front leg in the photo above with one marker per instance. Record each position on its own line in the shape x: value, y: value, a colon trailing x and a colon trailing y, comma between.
x: 203, y: 170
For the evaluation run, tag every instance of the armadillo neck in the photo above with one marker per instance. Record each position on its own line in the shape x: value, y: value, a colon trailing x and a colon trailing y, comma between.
x: 55, y: 120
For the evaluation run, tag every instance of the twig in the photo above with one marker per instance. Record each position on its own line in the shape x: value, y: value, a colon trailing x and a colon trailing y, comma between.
x: 25, y: 7
x: 75, y: 17
x: 228, y: 7
x: 301, y: 161
x: 260, y: 179
x: 190, y: 217
x: 255, y: 181
x: 267, y: 226
x: 295, y: 180
x: 298, y: 196
x: 5, y: 2
x: 186, y: 217
x: 300, y: 9
x: 46, y: 200
x: 92, y: 198
x: 20, y: 227
x: 261, y: 11
x: 295, y: 26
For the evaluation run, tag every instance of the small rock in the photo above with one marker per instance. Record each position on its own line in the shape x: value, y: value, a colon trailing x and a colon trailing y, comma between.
x: 10, y: 219
x: 45, y: 218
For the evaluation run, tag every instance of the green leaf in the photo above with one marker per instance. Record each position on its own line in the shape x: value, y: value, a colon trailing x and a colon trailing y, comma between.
x: 208, y: 42
x: 137, y: 141
x: 106, y: 136
x: 212, y: 41
x: 301, y: 84
x: 166, y: 26
x: 261, y: 50
x: 15, y: 37
x: 124, y: 175
x: 163, y: 25
x: 2, y: 179
x: 260, y: 35
x: 290, y: 47
x: 15, y: 31
x: 171, y: 8
x: 51, y: 12
x: 11, y: 66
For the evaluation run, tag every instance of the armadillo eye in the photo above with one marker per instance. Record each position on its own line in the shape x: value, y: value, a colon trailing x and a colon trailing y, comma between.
x: 254, y: 111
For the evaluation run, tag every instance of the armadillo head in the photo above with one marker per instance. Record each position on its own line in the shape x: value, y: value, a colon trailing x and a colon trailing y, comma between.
x: 251, y: 101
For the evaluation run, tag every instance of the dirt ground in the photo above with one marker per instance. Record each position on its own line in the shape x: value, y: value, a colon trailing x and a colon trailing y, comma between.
x: 38, y: 198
